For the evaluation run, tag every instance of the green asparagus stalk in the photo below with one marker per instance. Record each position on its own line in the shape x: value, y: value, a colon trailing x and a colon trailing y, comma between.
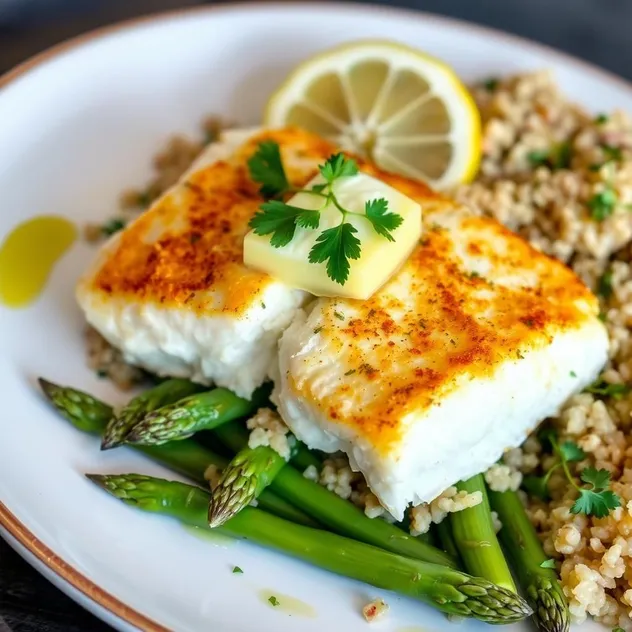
x: 88, y: 414
x: 192, y: 414
x: 338, y: 514
x: 242, y: 481
x: 302, y: 458
x: 476, y: 539
x: 448, y: 590
x: 541, y: 585
x: 443, y: 531
x: 167, y: 392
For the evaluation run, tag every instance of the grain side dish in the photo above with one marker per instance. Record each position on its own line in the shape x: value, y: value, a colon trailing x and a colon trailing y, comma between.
x: 560, y: 178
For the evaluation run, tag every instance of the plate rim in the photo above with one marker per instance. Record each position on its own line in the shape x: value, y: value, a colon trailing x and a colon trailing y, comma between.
x: 8, y: 521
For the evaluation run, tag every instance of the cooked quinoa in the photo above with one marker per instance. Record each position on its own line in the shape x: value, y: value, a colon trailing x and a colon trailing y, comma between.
x: 562, y: 178
x: 268, y: 429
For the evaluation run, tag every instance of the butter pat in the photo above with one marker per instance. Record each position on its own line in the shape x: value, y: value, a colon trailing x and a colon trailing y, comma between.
x: 379, y: 258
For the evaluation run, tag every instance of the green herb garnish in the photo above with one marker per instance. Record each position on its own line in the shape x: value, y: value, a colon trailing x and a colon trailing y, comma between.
x: 558, y: 157
x: 266, y: 168
x: 595, y: 496
x: 113, y: 226
x: 573, y: 374
x: 602, y: 204
x: 273, y: 600
x: 491, y: 84
x: 334, y: 246
x: 600, y: 119
x: 611, y: 152
x: 236, y: 569
x: 602, y: 388
x: 548, y: 564
x: 604, y: 285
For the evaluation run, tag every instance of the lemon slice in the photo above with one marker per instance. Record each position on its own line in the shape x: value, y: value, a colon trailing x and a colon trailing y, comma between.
x: 403, y: 109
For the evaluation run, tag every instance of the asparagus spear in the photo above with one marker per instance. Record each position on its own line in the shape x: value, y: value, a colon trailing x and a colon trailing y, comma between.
x: 243, y: 480
x: 476, y: 539
x: 184, y: 418
x: 188, y: 458
x: 541, y: 585
x: 448, y: 590
x: 444, y: 533
x: 338, y: 514
x: 167, y: 392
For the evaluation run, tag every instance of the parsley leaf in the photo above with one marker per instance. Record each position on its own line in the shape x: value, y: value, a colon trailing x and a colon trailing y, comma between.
x: 573, y: 374
x: 273, y: 600
x: 599, y: 500
x: 383, y: 222
x: 265, y: 168
x: 604, y: 285
x: 570, y: 451
x: 602, y: 204
x: 548, y: 564
x: 600, y: 387
x: 338, y: 166
x: 280, y: 220
x: 336, y: 246
x: 236, y: 569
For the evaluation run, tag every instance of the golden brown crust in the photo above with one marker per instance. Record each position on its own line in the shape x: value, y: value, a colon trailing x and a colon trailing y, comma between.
x: 436, y: 325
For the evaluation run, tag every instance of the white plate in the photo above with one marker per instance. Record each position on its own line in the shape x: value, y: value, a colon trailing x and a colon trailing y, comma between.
x: 76, y: 128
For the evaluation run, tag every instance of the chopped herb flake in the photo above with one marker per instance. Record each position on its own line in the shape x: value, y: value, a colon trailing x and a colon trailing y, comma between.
x: 273, y: 600
x: 350, y: 372
x: 602, y: 118
x: 339, y: 316
x: 604, y: 285
x: 548, y: 564
x: 602, y: 204
x: 317, y: 330
x: 611, y: 152
x: 573, y: 374
x: 608, y: 390
x: 236, y: 569
x: 113, y: 226
x: 491, y: 84
x: 102, y: 373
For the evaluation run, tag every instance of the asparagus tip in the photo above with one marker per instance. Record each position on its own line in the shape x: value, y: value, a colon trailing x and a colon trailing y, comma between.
x: 48, y: 388
x: 107, y: 442
x: 218, y: 513
x: 97, y: 479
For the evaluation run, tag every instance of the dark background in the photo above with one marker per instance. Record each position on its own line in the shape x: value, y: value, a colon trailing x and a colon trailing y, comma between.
x: 599, y: 31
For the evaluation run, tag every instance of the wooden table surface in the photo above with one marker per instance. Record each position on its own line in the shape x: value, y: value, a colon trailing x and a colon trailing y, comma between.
x: 597, y: 30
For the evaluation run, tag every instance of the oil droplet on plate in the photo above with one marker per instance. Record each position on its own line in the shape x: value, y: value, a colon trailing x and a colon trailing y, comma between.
x: 286, y: 604
x: 210, y: 535
x: 28, y: 255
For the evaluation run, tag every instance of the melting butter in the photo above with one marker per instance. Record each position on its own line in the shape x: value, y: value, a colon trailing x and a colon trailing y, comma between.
x: 286, y: 604
x: 28, y: 256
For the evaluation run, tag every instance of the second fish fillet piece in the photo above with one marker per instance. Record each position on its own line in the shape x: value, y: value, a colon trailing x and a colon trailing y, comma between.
x: 476, y: 340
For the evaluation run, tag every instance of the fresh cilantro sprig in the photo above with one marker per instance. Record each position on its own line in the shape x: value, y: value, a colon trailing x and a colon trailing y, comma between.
x: 336, y: 246
x: 595, y: 498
